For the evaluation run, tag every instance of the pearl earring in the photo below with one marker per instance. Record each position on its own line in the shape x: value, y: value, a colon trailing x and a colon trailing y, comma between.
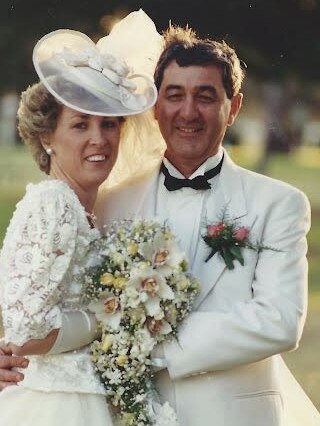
x: 49, y: 151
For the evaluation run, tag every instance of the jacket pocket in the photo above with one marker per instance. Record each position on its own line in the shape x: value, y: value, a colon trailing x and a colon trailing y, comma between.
x: 256, y: 409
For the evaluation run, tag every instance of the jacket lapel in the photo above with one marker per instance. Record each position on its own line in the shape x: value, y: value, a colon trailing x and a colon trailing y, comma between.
x: 228, y: 200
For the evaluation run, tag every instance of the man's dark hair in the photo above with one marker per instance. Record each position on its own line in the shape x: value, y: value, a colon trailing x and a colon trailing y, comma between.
x: 186, y: 48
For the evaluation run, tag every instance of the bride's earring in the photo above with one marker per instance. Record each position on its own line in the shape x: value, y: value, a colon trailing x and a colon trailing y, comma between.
x: 49, y: 151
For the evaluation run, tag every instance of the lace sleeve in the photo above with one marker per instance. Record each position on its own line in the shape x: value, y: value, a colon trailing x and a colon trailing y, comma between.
x: 36, y: 254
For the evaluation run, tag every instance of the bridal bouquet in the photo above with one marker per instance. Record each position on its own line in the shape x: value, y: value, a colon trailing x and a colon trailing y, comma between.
x: 140, y: 291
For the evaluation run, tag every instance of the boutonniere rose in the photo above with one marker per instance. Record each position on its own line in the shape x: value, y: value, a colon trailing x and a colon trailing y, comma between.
x: 228, y: 239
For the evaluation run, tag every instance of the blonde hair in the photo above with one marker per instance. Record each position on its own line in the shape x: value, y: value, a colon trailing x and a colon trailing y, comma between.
x: 37, y: 117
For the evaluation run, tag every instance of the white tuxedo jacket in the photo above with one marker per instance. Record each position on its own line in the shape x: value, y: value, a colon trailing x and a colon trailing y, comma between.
x: 226, y: 369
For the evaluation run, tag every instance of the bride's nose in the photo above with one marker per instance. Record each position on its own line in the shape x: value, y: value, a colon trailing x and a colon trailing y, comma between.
x: 97, y: 135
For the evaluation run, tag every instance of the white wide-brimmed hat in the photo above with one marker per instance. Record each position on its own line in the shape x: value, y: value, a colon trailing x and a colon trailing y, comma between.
x: 98, y: 79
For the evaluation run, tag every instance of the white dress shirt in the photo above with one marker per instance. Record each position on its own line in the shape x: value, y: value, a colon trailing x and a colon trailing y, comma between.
x: 184, y: 210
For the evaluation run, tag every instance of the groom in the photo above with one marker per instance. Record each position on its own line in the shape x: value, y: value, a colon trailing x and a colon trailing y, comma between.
x: 225, y: 370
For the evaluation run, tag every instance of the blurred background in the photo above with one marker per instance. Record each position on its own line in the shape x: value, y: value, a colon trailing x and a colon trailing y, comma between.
x: 277, y: 132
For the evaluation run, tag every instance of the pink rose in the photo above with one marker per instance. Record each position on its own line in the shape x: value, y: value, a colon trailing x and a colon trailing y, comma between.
x: 241, y: 233
x: 215, y: 230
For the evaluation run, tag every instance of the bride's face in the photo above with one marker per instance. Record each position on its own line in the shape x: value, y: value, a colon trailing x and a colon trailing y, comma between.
x: 84, y: 148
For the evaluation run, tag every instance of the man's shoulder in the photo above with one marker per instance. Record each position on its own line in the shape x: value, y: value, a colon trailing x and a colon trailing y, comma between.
x: 264, y: 185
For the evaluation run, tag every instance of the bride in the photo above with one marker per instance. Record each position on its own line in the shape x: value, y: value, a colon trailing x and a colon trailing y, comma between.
x: 71, y: 121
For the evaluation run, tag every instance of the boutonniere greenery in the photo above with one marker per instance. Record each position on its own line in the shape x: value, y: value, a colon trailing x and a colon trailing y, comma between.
x: 228, y: 239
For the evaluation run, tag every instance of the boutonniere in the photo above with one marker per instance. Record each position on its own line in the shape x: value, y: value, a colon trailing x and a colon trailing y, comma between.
x: 228, y: 239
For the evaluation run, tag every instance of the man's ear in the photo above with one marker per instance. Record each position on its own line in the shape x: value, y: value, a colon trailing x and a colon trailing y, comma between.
x: 236, y: 103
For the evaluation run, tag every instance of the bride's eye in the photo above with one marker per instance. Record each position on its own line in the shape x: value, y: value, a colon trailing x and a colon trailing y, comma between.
x: 109, y: 123
x: 80, y: 125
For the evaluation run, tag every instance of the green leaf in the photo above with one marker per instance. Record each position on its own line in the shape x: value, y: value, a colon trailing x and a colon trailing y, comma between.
x: 213, y: 252
x: 236, y: 251
x: 228, y: 257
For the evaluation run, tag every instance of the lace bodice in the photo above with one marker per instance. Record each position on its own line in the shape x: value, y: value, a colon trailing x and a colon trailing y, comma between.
x: 42, y: 256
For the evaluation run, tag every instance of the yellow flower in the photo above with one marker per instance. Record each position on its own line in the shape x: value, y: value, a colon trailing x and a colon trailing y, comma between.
x: 117, y: 258
x: 133, y: 248
x: 168, y: 234
x: 107, y: 342
x: 171, y: 314
x: 128, y: 419
x: 183, y: 283
x: 122, y: 360
x: 136, y: 315
x: 195, y: 285
x: 119, y: 283
x: 106, y: 279
x: 144, y: 265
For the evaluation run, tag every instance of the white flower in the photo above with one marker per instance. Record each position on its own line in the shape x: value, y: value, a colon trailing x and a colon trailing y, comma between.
x: 140, y: 398
x: 158, y: 327
x: 148, y: 287
x: 163, y: 253
x: 145, y: 341
x: 114, y: 376
x: 118, y: 258
x: 107, y: 309
x: 165, y: 415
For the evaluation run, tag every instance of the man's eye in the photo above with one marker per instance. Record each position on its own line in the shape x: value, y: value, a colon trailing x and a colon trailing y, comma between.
x: 206, y: 98
x: 174, y: 97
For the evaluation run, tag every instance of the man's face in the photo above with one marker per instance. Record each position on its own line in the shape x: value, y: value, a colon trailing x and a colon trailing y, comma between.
x: 193, y: 112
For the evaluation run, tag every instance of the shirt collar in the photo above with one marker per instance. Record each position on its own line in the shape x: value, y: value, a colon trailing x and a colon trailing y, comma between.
x: 210, y: 163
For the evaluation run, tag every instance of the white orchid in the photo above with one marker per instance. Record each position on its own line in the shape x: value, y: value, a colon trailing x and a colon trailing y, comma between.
x: 158, y: 326
x: 163, y: 253
x: 147, y: 286
x: 107, y: 309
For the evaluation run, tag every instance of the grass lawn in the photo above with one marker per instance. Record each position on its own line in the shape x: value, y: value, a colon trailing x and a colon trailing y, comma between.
x: 301, y: 170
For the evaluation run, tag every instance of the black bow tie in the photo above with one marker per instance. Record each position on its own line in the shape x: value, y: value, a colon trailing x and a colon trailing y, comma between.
x: 199, y: 182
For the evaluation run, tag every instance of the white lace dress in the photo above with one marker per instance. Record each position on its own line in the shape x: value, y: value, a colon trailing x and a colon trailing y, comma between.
x: 43, y: 252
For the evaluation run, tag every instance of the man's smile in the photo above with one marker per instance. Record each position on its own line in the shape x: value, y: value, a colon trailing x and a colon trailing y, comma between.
x: 189, y: 129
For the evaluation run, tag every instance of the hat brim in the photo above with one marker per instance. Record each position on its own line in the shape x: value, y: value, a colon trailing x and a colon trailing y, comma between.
x: 84, y: 88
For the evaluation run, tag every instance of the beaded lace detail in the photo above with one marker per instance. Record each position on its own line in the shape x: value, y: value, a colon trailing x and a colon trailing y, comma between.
x: 43, y: 254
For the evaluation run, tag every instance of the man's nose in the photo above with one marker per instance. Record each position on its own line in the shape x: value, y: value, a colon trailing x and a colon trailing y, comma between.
x: 189, y: 110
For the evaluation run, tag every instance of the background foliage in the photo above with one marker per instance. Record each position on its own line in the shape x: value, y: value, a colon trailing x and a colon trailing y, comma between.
x: 274, y: 37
